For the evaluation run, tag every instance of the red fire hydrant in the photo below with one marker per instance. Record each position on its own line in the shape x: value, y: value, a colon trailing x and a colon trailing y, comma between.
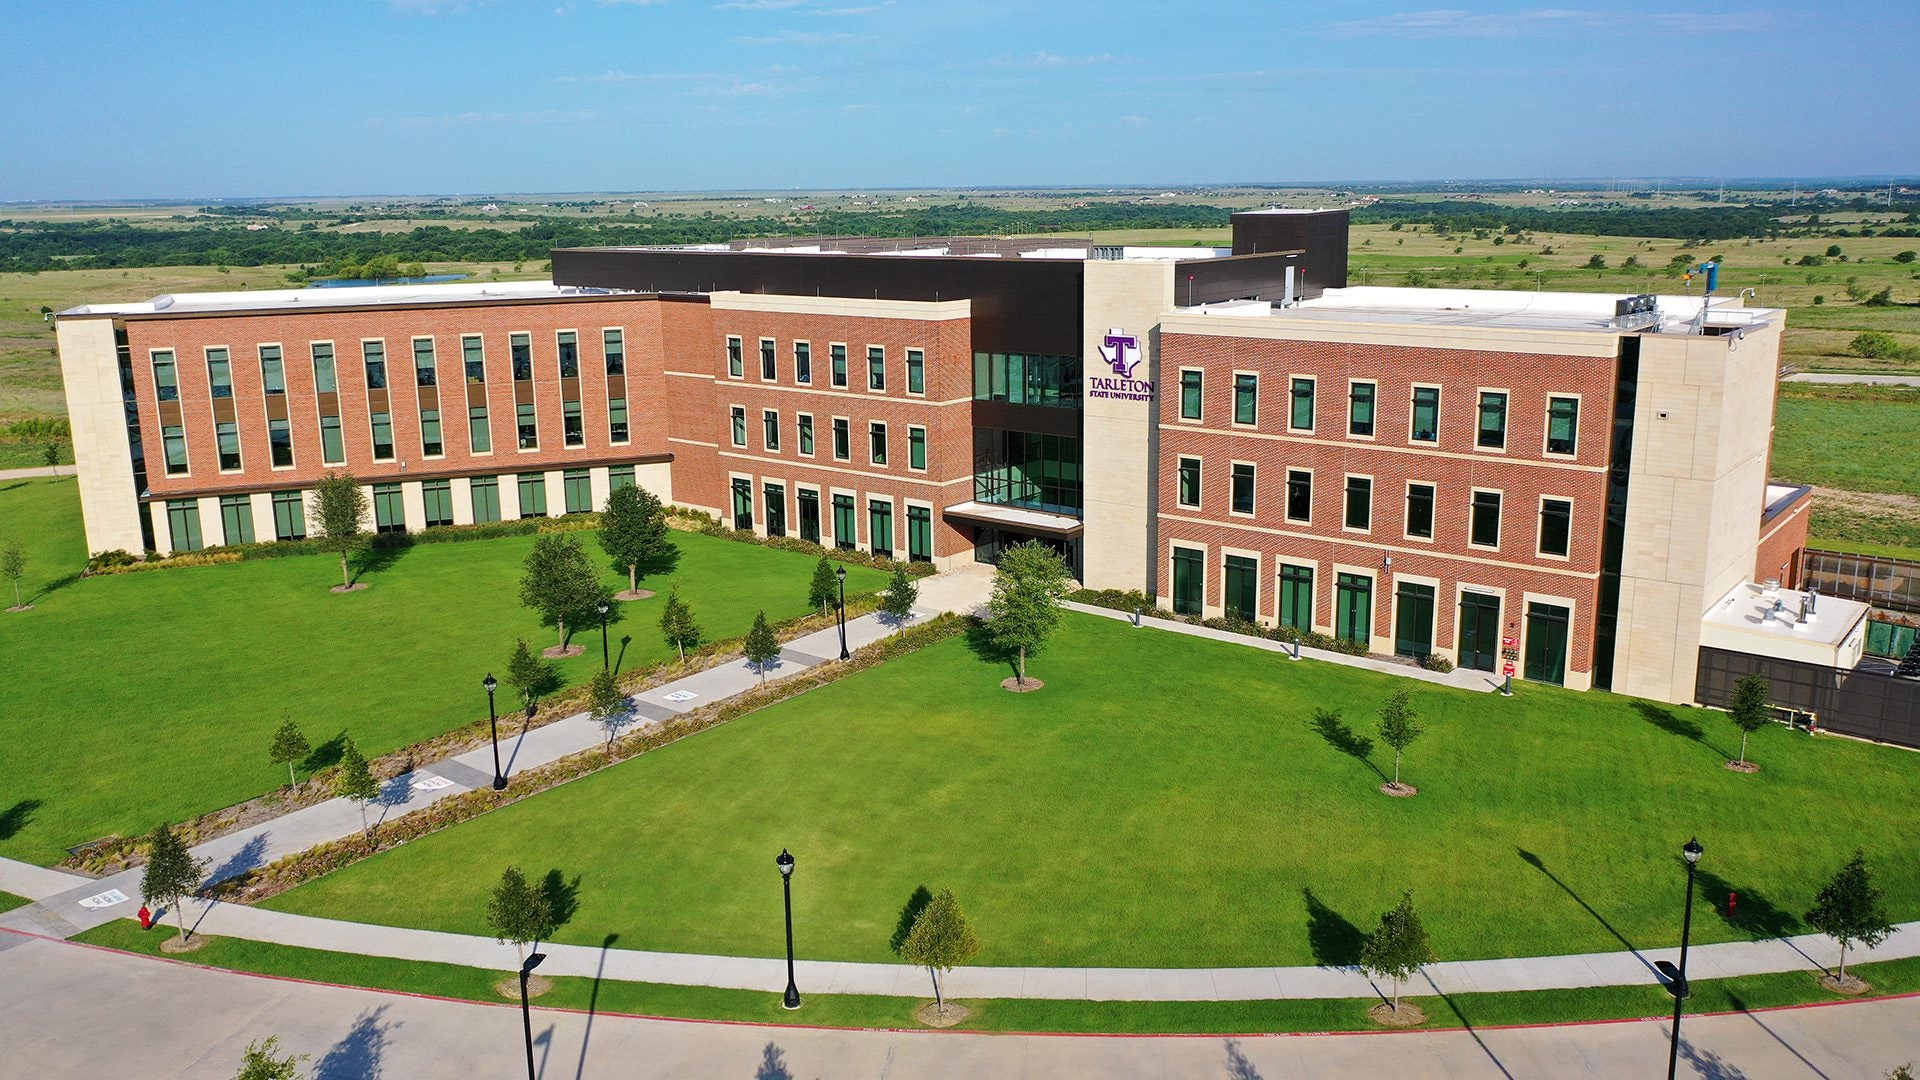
x: 146, y: 918
x: 1733, y: 898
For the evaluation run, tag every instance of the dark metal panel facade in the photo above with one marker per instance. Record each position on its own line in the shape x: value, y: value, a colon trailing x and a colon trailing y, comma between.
x: 1866, y: 704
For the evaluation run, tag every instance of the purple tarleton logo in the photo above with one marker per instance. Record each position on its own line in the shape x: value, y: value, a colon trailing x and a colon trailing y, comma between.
x: 1121, y: 351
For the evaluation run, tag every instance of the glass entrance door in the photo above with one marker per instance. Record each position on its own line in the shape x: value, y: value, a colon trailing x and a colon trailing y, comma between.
x: 1189, y: 580
x: 809, y: 516
x: 1413, y: 629
x: 1547, y: 643
x: 776, y: 510
x: 1479, y: 630
x: 1353, y: 608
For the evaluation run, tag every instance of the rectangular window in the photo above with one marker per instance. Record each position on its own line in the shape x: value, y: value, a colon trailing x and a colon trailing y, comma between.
x: 520, y: 351
x: 478, y: 433
x: 486, y: 499
x: 567, y: 343
x: 1296, y: 596
x: 573, y: 427
x: 1242, y: 592
x: 527, y: 425
x: 1189, y: 394
x: 620, y: 476
x: 1353, y: 608
x: 1420, y: 511
x: 806, y: 434
x: 228, y: 435
x: 809, y: 502
x: 280, y: 443
x: 802, y: 362
x: 373, y: 356
x: 844, y: 525
x: 431, y: 444
x: 577, y: 486
x: 389, y: 509
x: 736, y: 360
x: 876, y: 368
x: 916, y: 371
x: 1493, y: 421
x: 1556, y: 526
x: 877, y: 442
x: 1242, y: 487
x: 325, y: 380
x: 473, y: 356
x: 1246, y: 398
x: 1189, y: 580
x: 1360, y: 408
x: 423, y: 374
x: 174, y: 438
x: 1563, y: 423
x: 1426, y: 415
x: 273, y: 370
x: 842, y: 440
x: 838, y: 375
x: 382, y: 436
x: 770, y: 429
x: 166, y: 377
x: 768, y: 372
x: 183, y: 524
x: 236, y: 519
x: 738, y: 417
x: 1485, y: 530
x: 533, y: 495
x: 613, y: 344
x: 880, y: 526
x: 289, y: 516
x: 219, y: 373
x: 919, y: 534
x: 1189, y: 482
x: 333, y: 449
x: 1300, y: 405
x: 1359, y: 503
x: 437, y: 495
x: 917, y: 448
x: 617, y: 420
x: 1299, y: 495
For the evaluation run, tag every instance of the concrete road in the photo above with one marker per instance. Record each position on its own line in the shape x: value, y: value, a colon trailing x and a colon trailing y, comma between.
x: 68, y: 1010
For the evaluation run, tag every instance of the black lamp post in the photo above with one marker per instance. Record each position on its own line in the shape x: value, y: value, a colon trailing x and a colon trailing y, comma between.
x: 841, y: 573
x: 526, y: 1016
x: 785, y: 862
x: 493, y: 725
x: 1679, y: 986
x: 602, y: 608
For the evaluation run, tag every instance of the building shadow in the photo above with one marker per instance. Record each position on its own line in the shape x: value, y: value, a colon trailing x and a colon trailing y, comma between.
x: 1535, y: 861
x: 1338, y: 735
x: 593, y: 998
x: 1335, y: 942
x: 16, y: 817
x: 915, y: 905
x: 1684, y: 726
x: 361, y: 1053
x: 1748, y: 910
x: 1238, y: 1067
x: 1740, y: 1005
x: 251, y: 856
x: 773, y: 1064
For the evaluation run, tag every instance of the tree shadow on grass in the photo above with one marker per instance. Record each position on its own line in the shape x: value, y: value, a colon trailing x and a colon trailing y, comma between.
x: 980, y: 640
x: 325, y: 755
x: 563, y: 898
x: 915, y: 905
x: 1335, y: 941
x: 54, y: 586
x: 15, y: 817
x: 1535, y: 861
x: 380, y: 555
x: 1751, y: 911
x: 1683, y: 726
x: 1344, y: 739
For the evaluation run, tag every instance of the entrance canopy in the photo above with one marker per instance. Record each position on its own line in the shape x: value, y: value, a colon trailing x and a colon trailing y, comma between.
x: 1016, y: 518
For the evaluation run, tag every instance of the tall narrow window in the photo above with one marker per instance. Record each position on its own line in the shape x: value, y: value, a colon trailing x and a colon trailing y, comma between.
x: 166, y: 378
x: 577, y: 486
x: 228, y: 434
x: 533, y: 495
x: 770, y: 429
x: 219, y: 373
x: 1420, y: 511
x: 776, y: 502
x: 1189, y: 482
x: 280, y: 443
x: 478, y: 433
x: 431, y: 445
x: 567, y: 344
x: 845, y: 525
x: 736, y: 361
x: 273, y: 370
x: 333, y: 450
x: 373, y: 356
x: 880, y: 526
x: 917, y: 448
x: 1563, y: 424
x: 802, y: 362
x: 919, y: 534
x: 768, y: 369
x: 876, y: 368
x: 1485, y: 530
x: 528, y: 426
x: 437, y: 498
x: 842, y: 440
x: 1189, y: 394
x: 738, y: 416
x: 520, y: 352
x: 325, y: 380
x: 1246, y: 398
x: 1243, y: 487
x: 486, y: 499
x: 1300, y: 405
x: 1493, y: 421
x: 617, y: 420
x: 614, y: 344
x: 877, y: 442
x: 1359, y: 503
x: 1189, y: 580
x: 1426, y: 415
x: 174, y: 438
x: 1299, y: 495
x: 473, y: 356
x: 389, y: 509
x: 1556, y: 527
x: 806, y: 434
x: 382, y: 436
x: 1241, y: 588
x: 423, y: 374
x: 289, y: 516
x: 573, y: 427
x: 809, y: 505
x: 183, y: 524
x: 916, y: 371
x: 838, y: 375
x: 1296, y: 596
x: 1360, y: 408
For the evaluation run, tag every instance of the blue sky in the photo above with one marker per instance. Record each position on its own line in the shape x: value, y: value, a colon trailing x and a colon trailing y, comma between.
x: 123, y: 100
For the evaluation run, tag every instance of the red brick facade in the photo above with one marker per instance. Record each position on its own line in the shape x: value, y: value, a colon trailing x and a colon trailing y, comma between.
x: 1783, y: 540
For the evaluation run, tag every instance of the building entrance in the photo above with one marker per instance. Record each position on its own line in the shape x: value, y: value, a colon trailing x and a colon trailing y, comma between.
x: 989, y: 542
x: 1479, y: 631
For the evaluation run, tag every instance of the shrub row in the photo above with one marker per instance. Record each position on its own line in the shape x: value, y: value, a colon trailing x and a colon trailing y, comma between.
x: 1132, y: 600
x: 107, y: 562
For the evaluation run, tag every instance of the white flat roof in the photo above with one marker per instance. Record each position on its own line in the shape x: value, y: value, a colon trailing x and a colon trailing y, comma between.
x: 1488, y: 307
x: 350, y: 296
x: 1017, y: 517
x: 1749, y: 609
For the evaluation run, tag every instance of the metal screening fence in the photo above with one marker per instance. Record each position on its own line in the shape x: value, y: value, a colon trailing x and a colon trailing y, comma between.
x: 1868, y: 704
x: 1886, y: 583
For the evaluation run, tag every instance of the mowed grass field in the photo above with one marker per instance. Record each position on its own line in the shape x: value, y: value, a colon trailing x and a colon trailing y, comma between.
x: 1171, y: 801
x: 146, y: 697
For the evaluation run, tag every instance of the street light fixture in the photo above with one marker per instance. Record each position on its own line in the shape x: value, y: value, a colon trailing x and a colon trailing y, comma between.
x: 526, y: 1016
x: 785, y: 862
x: 841, y: 573
x: 1678, y: 984
x: 602, y: 608
x: 493, y: 725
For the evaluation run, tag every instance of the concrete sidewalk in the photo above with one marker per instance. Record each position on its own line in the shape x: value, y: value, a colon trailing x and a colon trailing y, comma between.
x: 41, y: 470
x: 1841, y: 379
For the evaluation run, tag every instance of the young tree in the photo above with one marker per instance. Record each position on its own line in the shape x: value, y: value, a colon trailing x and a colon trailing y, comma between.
x: 288, y: 746
x: 263, y: 1061
x: 1024, y: 610
x: 762, y: 647
x: 354, y: 782
x: 1849, y: 909
x: 677, y: 624
x: 172, y: 873
x: 897, y: 602
x: 51, y: 455
x: 607, y: 703
x: 560, y: 583
x: 633, y: 530
x: 339, y: 506
x: 517, y: 911
x: 1750, y: 710
x: 528, y: 673
x: 13, y: 563
x: 824, y: 590
x: 1399, y: 725
x: 940, y: 940
x: 1398, y: 949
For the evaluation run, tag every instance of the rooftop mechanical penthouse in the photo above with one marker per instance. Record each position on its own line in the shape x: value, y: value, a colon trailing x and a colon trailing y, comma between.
x: 1568, y: 483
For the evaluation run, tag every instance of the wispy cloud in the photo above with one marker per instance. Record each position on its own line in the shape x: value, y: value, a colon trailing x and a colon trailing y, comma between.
x: 1045, y: 59
x: 799, y: 37
x: 1541, y: 22
x: 487, y: 119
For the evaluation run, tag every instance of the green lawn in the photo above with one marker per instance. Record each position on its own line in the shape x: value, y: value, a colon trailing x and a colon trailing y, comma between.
x: 150, y: 696
x: 1169, y: 801
x: 1853, y: 437
x: 8, y: 901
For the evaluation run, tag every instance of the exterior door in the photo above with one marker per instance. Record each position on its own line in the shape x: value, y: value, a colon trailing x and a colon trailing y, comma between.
x: 1353, y: 608
x: 1546, y: 643
x: 1189, y: 580
x: 742, y: 503
x: 810, y: 516
x: 1479, y: 631
x: 776, y: 510
x: 1413, y: 630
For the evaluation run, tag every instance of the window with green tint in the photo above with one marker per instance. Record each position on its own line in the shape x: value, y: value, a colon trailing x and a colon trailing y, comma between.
x: 1190, y: 395
x: 423, y: 374
x: 1189, y: 580
x: 389, y: 509
x: 620, y: 476
x: 520, y: 352
x: 166, y: 376
x: 838, y: 373
x: 1485, y: 526
x: 617, y: 420
x: 527, y: 424
x: 916, y: 448
x: 1360, y: 408
x: 174, y: 438
x: 809, y: 506
x: 1426, y: 414
x: 325, y: 379
x: 806, y: 433
x: 802, y: 362
x: 533, y: 495
x: 1189, y: 485
x: 478, y: 433
x: 573, y: 427
x: 775, y: 496
x: 1246, y: 399
x: 1242, y: 592
x: 474, y: 356
x: 1563, y: 424
x: 486, y: 499
x: 567, y: 344
x: 219, y: 374
x: 1420, y: 511
x: 333, y: 450
x: 183, y: 524
x: 1493, y: 421
x: 845, y: 523
x: 880, y: 526
x: 373, y: 357
x: 280, y: 443
x: 437, y: 496
x: 919, y: 534
x: 842, y: 440
x: 876, y: 368
x: 1300, y: 405
x: 736, y: 358
x: 273, y: 370
x: 431, y: 444
x: 1243, y: 487
x: 289, y: 516
x: 737, y: 415
x: 1359, y: 503
x: 1299, y: 495
x: 768, y: 368
x: 236, y: 519
x: 227, y: 434
x: 613, y: 344
x: 1353, y: 608
x: 877, y: 442
x: 382, y: 425
x: 770, y: 429
x: 1296, y: 596
x: 1556, y: 526
x: 577, y: 487
x: 916, y: 371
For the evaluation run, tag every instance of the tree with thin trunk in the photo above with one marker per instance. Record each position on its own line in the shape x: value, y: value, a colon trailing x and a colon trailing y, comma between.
x: 172, y: 873
x: 940, y: 940
x: 288, y: 746
x: 633, y: 530
x: 13, y: 563
x: 1398, y: 948
x: 1851, y: 910
x: 1024, y: 611
x: 339, y: 508
x: 897, y: 602
x: 51, y: 455
x: 606, y: 703
x: 518, y: 912
x: 354, y: 782
x: 824, y: 590
x: 263, y: 1061
x: 677, y: 624
x: 560, y: 583
x: 762, y: 648
x: 1750, y: 710
x: 528, y: 673
x: 1399, y: 725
